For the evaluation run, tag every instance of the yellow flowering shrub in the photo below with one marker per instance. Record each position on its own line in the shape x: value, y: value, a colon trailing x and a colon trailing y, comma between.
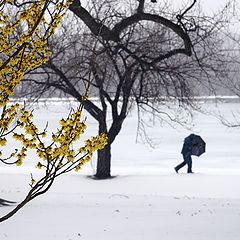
x: 29, y: 49
x: 19, y: 54
x: 22, y: 52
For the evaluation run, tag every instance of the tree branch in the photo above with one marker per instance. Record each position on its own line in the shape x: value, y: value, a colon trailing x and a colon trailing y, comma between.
x: 88, y: 105
x: 140, y: 6
x: 98, y: 29
x: 119, y: 27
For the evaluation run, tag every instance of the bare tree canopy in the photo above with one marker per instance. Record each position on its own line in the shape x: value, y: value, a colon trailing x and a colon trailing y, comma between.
x: 140, y: 51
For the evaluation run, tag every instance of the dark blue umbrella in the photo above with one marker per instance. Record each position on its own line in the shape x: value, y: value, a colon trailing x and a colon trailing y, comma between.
x: 198, y: 145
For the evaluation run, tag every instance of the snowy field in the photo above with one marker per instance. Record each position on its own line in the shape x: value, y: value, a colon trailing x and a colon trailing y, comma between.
x: 146, y: 200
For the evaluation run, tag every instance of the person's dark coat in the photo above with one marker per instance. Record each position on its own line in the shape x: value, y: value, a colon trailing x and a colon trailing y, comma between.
x: 187, y: 145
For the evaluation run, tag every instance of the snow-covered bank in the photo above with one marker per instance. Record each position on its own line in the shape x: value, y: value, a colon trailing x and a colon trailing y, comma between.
x: 143, y: 205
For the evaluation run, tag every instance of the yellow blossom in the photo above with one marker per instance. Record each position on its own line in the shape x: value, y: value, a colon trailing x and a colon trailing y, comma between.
x: 39, y: 165
x: 3, y: 141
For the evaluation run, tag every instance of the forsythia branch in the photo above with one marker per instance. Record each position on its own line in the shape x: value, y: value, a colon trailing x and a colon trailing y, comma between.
x: 18, y: 55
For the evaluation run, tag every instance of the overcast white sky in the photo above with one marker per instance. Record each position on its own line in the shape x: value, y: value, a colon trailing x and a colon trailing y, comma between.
x: 212, y: 5
x: 208, y: 5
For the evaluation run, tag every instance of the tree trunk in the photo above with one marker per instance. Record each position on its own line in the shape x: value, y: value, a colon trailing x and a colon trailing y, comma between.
x: 104, y: 163
x: 104, y: 155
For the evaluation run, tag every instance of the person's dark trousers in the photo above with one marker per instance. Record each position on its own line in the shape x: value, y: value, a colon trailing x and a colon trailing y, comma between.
x: 187, y: 160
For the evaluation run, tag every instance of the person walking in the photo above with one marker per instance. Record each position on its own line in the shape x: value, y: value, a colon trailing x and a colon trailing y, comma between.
x: 186, y: 152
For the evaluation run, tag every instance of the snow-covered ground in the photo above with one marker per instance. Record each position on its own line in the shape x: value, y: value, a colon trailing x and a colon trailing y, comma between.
x: 146, y: 199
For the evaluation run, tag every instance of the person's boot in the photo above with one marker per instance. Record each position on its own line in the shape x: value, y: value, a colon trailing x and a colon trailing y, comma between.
x: 176, y: 170
x: 190, y: 172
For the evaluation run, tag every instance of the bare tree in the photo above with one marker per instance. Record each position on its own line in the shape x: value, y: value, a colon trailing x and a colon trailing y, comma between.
x: 136, y: 53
